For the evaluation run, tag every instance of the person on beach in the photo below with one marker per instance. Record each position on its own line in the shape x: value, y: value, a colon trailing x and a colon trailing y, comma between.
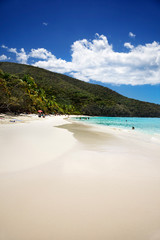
x: 40, y: 113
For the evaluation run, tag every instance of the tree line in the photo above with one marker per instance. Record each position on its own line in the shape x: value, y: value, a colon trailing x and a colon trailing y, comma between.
x: 25, y: 88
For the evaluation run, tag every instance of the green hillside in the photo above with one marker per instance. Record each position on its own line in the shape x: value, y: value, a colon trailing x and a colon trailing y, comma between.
x: 26, y: 88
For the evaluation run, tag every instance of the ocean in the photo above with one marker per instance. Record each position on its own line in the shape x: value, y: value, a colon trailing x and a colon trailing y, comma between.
x: 145, y: 125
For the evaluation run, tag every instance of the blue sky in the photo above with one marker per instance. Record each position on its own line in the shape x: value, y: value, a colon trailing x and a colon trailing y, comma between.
x: 109, y: 42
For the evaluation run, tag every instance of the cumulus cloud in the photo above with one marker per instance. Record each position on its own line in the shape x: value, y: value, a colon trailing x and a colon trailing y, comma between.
x: 3, y: 57
x: 132, y: 35
x: 41, y: 53
x: 97, y: 60
x: 3, y: 46
x: 21, y: 56
x: 55, y: 65
x: 128, y: 45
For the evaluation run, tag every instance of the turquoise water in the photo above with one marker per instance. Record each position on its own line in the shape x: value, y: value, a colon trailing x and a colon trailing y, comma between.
x: 145, y: 125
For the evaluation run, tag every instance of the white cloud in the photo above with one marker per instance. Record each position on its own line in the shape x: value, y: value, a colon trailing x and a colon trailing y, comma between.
x: 41, y: 53
x: 45, y: 24
x: 12, y: 50
x: 128, y: 45
x: 55, y: 65
x: 132, y: 35
x: 141, y: 65
x: 3, y: 57
x: 97, y: 60
x: 21, y: 56
x: 3, y: 46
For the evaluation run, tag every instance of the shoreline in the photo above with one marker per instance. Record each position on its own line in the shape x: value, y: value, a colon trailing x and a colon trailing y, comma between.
x: 64, y: 180
x: 24, y: 118
x: 126, y: 131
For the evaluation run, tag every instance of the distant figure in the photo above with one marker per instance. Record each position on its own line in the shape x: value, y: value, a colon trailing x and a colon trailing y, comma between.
x: 40, y: 112
x: 133, y: 128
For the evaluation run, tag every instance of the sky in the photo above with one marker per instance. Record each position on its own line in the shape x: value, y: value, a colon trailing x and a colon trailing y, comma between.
x: 108, y: 42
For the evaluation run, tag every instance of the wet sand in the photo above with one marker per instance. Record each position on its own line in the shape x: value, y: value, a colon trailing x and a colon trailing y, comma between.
x: 99, y: 184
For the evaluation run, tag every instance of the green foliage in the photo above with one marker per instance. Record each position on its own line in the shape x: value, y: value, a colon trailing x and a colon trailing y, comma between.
x: 22, y: 95
x: 27, y: 88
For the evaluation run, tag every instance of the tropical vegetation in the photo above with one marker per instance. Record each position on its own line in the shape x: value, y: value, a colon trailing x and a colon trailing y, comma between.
x: 24, y: 88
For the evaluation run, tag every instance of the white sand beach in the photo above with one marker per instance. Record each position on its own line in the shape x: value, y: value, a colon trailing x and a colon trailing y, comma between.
x: 70, y: 181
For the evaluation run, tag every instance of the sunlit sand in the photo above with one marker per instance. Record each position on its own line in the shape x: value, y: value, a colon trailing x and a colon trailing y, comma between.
x: 70, y: 181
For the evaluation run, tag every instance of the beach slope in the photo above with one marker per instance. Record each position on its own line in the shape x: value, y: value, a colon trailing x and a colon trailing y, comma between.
x: 63, y: 180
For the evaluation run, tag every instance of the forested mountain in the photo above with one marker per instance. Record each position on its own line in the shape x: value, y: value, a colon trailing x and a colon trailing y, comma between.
x: 24, y: 88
